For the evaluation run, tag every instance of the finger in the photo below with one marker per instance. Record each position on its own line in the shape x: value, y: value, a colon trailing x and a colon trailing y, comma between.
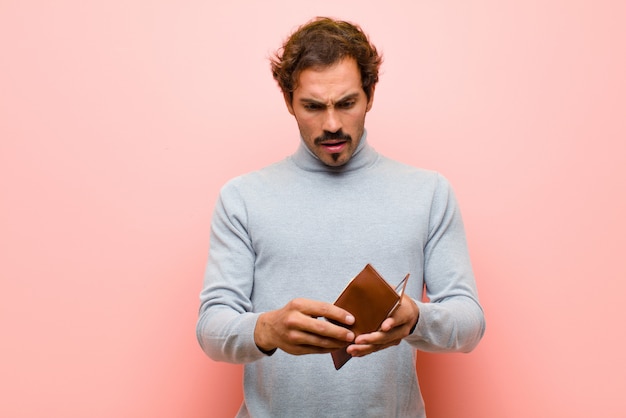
x: 372, y: 338
x: 321, y: 330
x: 323, y: 309
x: 361, y: 350
x: 381, y: 337
x: 388, y: 324
x: 308, y: 349
x: 301, y: 342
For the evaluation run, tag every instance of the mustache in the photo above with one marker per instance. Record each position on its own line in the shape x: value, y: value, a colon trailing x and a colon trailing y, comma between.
x: 332, y: 135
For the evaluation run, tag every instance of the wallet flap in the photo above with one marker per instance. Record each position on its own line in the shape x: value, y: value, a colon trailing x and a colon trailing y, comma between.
x: 370, y: 299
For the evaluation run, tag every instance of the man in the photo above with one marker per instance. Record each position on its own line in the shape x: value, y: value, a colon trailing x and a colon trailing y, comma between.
x: 285, y: 241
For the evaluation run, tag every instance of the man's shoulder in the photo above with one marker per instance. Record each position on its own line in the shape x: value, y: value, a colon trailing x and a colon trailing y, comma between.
x: 255, y: 178
x: 423, y: 181
x: 411, y: 171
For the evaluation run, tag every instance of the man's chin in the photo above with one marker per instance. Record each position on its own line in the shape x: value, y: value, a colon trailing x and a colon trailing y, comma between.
x: 335, y: 160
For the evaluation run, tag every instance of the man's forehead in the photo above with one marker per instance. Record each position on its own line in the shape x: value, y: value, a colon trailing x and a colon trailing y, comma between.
x: 333, y: 83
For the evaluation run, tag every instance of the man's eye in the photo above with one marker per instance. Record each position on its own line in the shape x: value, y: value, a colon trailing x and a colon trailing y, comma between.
x: 346, y: 105
x: 312, y: 107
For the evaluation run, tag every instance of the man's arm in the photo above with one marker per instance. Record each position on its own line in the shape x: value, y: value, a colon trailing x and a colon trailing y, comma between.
x: 453, y: 319
x: 228, y: 329
x: 226, y: 320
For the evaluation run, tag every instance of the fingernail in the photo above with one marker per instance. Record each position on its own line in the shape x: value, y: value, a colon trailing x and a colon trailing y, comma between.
x: 350, y: 336
x: 349, y: 319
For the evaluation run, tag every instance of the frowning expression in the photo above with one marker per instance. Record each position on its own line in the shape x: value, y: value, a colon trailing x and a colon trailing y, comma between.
x: 329, y: 105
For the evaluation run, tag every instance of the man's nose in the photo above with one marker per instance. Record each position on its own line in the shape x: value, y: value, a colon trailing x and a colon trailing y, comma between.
x: 332, y: 123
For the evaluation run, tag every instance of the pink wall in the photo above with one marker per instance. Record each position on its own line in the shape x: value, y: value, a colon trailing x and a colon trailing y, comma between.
x: 120, y: 120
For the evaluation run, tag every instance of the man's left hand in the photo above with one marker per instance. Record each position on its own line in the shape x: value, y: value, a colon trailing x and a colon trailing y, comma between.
x: 391, y: 332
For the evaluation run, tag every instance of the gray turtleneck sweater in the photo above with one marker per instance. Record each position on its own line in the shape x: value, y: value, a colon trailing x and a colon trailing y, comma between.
x: 299, y: 228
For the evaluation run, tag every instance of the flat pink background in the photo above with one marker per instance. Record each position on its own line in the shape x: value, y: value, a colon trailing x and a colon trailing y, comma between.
x: 120, y: 120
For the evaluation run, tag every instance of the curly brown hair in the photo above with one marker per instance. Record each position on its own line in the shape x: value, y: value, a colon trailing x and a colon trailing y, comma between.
x: 321, y: 43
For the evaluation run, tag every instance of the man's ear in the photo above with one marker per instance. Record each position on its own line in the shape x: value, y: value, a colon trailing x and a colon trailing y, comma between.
x: 288, y: 101
x: 370, y: 102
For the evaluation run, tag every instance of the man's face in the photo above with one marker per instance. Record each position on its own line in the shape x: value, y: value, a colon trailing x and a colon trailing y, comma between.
x: 330, y: 106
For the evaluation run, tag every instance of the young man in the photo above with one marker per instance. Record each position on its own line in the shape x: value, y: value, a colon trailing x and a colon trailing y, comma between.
x: 285, y: 241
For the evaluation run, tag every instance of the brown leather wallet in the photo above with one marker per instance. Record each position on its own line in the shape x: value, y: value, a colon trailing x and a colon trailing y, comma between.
x: 370, y: 299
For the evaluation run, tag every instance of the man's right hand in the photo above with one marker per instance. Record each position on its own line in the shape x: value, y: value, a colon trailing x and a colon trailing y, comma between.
x: 295, y: 328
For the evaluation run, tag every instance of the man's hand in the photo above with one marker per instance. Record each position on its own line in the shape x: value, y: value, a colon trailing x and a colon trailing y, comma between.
x: 295, y: 328
x: 392, y: 330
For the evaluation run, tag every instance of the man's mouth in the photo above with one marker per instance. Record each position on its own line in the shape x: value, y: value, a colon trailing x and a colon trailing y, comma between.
x: 334, y: 146
x: 333, y: 142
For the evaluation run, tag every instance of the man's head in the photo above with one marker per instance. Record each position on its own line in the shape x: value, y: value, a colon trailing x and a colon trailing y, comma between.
x: 321, y: 43
x: 327, y: 71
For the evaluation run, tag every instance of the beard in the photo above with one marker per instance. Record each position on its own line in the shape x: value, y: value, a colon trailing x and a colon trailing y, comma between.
x: 333, y: 136
x: 328, y: 136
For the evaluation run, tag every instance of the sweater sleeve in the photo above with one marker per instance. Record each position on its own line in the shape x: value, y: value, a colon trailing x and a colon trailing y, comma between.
x: 452, y: 320
x: 225, y: 327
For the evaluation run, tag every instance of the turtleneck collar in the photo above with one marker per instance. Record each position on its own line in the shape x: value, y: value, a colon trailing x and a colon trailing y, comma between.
x: 364, y: 156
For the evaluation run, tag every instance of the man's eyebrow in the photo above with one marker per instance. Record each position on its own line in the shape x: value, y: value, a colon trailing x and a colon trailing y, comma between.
x: 348, y: 97
x: 342, y: 99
